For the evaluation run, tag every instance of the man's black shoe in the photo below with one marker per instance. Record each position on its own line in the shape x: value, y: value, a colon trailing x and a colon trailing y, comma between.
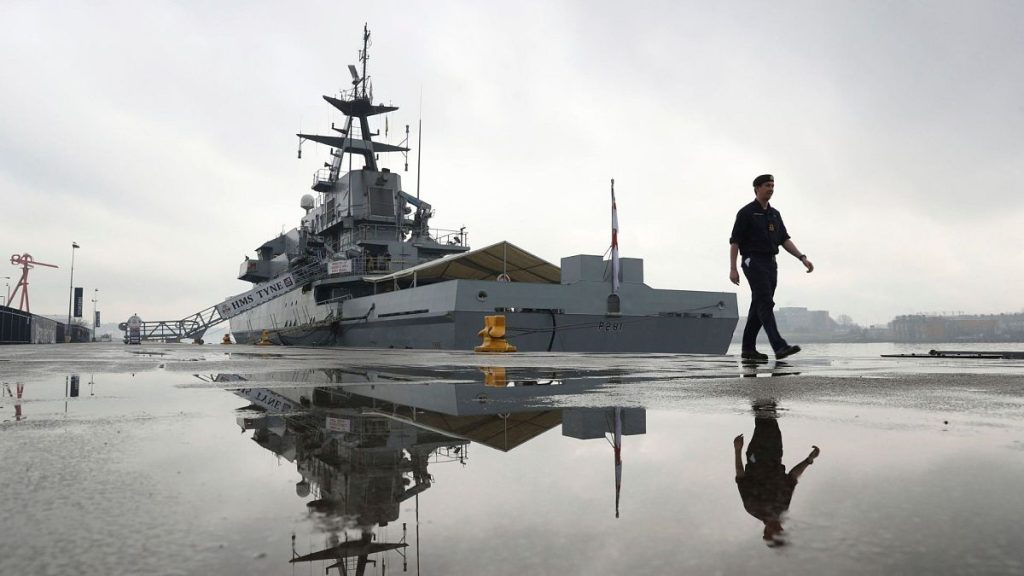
x: 753, y: 355
x: 786, y: 352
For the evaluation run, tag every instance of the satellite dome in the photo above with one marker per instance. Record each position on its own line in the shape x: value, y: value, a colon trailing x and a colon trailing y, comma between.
x: 307, y: 202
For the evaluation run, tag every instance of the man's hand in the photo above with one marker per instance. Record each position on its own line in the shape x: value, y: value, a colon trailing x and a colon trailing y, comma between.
x: 808, y: 265
x: 737, y: 442
x: 734, y: 276
x: 814, y: 454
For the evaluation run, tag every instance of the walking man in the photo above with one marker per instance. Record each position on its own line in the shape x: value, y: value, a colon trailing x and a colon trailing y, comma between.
x: 756, y: 237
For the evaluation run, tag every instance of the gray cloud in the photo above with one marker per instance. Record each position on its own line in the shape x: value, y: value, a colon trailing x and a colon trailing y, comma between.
x: 161, y: 138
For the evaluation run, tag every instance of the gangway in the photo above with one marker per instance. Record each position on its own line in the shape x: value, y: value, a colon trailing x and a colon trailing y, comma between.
x: 192, y: 327
x: 196, y: 325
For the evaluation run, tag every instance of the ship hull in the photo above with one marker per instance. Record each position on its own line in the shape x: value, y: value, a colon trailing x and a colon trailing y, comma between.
x: 539, y: 317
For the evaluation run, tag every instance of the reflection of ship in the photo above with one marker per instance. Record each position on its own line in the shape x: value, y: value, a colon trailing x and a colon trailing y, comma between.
x: 495, y: 407
x: 360, y: 549
x: 362, y: 441
x: 357, y: 467
x: 365, y: 269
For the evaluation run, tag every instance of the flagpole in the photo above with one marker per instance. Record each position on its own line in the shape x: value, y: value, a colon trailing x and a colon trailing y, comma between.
x: 616, y: 273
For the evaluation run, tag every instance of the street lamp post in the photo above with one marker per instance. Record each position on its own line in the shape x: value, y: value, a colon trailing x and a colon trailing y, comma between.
x: 71, y: 292
x: 95, y: 296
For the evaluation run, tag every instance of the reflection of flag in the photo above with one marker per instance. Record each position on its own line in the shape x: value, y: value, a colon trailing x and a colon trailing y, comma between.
x: 616, y: 272
x: 618, y: 458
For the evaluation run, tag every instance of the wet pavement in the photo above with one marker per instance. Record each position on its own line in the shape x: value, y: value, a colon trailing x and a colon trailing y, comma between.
x: 179, y: 459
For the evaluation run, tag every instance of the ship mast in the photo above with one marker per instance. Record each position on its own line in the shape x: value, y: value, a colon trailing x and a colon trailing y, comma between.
x: 364, y: 56
x: 357, y: 105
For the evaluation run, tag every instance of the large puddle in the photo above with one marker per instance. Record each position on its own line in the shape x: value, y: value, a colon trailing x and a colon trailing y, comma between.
x: 178, y: 460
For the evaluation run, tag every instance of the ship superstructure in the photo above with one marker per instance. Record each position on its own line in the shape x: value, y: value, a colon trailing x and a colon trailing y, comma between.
x: 364, y: 268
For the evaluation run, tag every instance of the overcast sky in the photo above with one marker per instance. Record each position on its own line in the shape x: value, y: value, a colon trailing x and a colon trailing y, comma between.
x: 160, y: 137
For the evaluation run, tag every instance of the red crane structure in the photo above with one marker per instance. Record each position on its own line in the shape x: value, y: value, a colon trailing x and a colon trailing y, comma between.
x: 27, y: 263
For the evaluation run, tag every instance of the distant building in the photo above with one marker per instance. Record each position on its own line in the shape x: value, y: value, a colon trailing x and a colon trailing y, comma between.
x: 1010, y: 327
x: 804, y: 325
x: 877, y: 333
x: 958, y: 328
x: 803, y: 321
x: 18, y: 327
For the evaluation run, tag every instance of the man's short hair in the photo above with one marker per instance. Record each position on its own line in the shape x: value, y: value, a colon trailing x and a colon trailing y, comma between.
x: 762, y: 179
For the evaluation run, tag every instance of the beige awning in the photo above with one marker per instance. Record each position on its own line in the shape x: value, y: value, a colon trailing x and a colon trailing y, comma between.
x: 499, y: 432
x: 481, y: 264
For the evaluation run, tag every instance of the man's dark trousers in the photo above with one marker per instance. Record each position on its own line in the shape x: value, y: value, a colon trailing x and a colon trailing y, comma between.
x: 762, y: 275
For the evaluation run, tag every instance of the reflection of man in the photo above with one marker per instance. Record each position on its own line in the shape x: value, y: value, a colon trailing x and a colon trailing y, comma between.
x: 764, y: 486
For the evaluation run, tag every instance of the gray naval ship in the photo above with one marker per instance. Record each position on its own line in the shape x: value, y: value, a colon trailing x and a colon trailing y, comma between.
x: 365, y: 269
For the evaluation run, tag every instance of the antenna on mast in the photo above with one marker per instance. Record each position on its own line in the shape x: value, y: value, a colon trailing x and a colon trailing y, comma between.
x: 364, y: 55
x: 419, y: 145
x: 419, y: 155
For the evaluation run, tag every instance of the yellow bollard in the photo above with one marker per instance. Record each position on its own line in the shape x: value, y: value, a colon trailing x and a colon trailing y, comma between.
x: 227, y: 339
x: 494, y: 335
x: 264, y: 339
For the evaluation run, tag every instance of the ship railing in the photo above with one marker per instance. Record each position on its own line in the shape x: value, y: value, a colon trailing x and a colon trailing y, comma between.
x: 378, y: 232
x: 336, y: 299
x: 309, y: 272
x: 351, y: 94
x: 450, y: 237
x: 323, y: 175
x: 323, y: 179
x: 383, y: 264
x: 366, y: 232
x: 325, y: 221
